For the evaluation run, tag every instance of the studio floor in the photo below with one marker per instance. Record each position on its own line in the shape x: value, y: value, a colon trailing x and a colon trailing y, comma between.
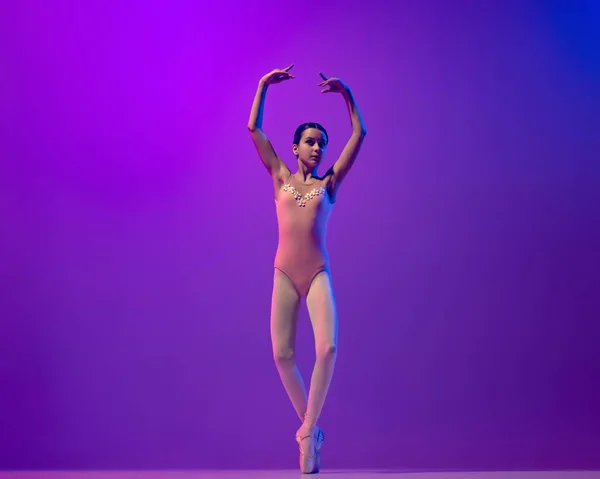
x: 289, y: 474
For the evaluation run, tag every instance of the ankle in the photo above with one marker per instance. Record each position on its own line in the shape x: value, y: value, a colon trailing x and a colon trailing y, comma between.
x: 309, y: 423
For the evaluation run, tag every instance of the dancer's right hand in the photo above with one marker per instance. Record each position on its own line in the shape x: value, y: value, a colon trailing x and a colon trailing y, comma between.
x: 277, y: 76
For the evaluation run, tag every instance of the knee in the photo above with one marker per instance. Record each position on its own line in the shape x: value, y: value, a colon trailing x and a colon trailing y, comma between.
x: 326, y: 351
x: 284, y: 358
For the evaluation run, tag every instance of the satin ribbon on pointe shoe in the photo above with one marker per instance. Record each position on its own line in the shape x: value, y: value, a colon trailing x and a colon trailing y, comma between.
x: 310, y: 464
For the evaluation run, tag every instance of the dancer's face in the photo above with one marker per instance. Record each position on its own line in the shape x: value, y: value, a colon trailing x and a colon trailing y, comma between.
x: 312, y: 147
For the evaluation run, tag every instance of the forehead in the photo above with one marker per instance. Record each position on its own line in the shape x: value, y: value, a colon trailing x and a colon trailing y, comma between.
x: 313, y: 133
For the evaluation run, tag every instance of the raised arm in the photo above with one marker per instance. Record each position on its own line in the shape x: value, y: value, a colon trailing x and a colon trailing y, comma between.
x: 343, y: 164
x: 265, y: 149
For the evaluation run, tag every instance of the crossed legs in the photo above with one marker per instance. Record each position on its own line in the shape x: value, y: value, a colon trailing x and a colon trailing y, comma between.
x: 284, y: 319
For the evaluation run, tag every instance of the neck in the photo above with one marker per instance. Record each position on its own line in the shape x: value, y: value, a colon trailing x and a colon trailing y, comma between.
x: 305, y: 173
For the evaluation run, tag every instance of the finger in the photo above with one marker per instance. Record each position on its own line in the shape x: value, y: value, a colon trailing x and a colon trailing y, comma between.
x: 323, y: 83
x: 286, y: 69
x: 323, y: 76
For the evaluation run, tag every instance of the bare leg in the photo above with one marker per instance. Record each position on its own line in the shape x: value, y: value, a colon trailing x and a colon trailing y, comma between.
x: 323, y: 316
x: 285, y: 305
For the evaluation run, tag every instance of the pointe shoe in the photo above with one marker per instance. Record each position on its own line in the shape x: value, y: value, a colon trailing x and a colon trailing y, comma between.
x: 310, y: 461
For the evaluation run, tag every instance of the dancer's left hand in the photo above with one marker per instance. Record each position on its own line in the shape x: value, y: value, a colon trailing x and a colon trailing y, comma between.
x: 335, y: 85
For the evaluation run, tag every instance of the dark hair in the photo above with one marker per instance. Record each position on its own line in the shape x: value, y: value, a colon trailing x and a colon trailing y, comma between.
x: 306, y: 126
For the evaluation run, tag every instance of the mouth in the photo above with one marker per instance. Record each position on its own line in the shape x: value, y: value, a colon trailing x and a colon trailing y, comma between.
x: 316, y: 157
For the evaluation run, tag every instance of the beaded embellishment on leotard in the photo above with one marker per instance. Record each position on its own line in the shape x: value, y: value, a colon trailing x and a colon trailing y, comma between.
x: 301, y: 200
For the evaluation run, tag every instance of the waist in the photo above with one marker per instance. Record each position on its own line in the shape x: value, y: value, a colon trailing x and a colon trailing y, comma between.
x: 301, y: 253
x: 302, y: 238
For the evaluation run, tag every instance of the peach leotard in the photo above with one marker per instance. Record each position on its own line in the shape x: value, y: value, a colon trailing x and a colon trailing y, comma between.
x: 302, y: 215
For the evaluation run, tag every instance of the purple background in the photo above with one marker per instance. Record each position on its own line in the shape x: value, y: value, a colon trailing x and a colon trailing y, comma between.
x: 138, y: 233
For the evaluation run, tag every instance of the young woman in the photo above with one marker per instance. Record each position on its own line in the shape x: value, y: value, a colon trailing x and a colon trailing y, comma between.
x: 304, y: 201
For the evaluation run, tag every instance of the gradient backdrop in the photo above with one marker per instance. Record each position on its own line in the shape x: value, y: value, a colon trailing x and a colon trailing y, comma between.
x: 138, y: 233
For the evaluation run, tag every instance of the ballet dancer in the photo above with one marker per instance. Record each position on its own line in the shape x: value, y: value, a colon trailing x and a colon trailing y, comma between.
x: 304, y: 201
